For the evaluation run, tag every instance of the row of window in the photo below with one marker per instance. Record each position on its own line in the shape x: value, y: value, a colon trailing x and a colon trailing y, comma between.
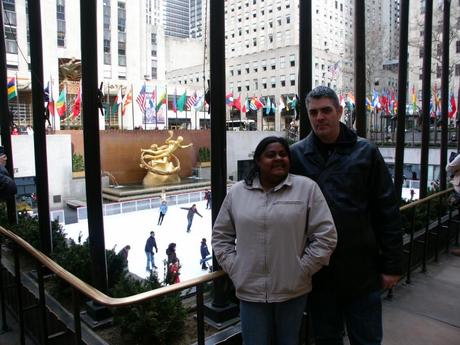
x: 265, y: 83
x: 253, y: 67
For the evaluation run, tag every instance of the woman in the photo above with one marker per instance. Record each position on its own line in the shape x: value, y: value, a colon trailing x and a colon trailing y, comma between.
x: 273, y: 232
x: 163, y: 210
x: 191, y: 212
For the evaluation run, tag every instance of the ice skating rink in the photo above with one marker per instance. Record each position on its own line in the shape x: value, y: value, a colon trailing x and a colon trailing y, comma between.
x: 134, y: 228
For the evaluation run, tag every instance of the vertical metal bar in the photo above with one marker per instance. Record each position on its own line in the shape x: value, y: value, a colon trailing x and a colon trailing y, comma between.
x: 402, y: 92
x: 425, y: 243
x: 5, y: 327
x: 305, y: 64
x: 448, y: 230
x: 411, y: 247
x: 41, y: 167
x: 360, y: 67
x: 90, y: 115
x: 5, y: 119
x: 17, y: 272
x: 218, y: 132
x: 444, y: 93
x: 426, y: 92
x: 76, y: 315
x: 200, y: 314
x: 42, y: 305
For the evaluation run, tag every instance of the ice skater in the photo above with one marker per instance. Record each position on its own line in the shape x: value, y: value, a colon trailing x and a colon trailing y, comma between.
x: 191, y: 212
x: 208, y: 198
x: 149, y: 245
x: 204, y: 254
x: 163, y: 210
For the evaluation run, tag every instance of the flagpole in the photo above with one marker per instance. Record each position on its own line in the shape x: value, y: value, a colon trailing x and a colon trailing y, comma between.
x: 166, y: 117
x: 132, y: 104
x: 155, y: 107
x: 50, y: 97
x: 17, y: 99
x: 121, y: 115
x: 108, y: 104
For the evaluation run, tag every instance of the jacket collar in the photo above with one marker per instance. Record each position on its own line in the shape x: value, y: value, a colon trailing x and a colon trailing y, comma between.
x: 256, y: 184
x: 347, y: 138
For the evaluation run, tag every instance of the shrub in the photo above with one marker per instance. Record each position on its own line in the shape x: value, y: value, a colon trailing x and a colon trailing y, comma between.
x: 78, y: 163
x: 157, y: 321
x: 204, y: 154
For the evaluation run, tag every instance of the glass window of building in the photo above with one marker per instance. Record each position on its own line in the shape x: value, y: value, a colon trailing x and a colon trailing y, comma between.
x: 60, y: 17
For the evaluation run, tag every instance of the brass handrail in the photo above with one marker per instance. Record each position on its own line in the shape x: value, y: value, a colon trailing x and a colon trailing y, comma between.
x: 103, y: 299
x: 422, y: 201
x: 94, y: 293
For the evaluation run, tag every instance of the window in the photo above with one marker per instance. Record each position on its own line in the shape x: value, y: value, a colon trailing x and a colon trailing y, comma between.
x: 457, y: 70
x: 420, y: 54
x: 256, y: 84
x: 273, y: 63
x: 264, y: 83
x: 60, y: 17
x: 246, y: 83
x: 438, y: 71
x: 292, y: 78
x: 282, y: 62
x: 273, y: 82
x: 292, y: 60
x: 288, y: 19
x: 255, y: 66
x: 457, y: 47
x: 246, y: 67
x: 270, y: 38
x: 283, y: 80
x: 264, y: 65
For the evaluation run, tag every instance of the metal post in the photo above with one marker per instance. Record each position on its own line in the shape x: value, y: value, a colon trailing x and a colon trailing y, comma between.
x: 426, y: 93
x: 411, y: 247
x: 5, y: 327
x: 88, y: 15
x: 426, y: 237
x: 5, y: 119
x: 402, y: 92
x: 360, y: 67
x: 200, y: 314
x: 76, y: 315
x: 444, y: 94
x: 305, y: 64
x: 20, y: 309
x: 42, y: 305
x: 41, y: 167
x: 218, y: 132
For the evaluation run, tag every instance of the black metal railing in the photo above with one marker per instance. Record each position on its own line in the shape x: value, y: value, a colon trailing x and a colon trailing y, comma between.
x: 427, y: 223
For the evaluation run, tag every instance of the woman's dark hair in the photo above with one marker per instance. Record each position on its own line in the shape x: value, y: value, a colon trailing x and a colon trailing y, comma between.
x: 254, y: 171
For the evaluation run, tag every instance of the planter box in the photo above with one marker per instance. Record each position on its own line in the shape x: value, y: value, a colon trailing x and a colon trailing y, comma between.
x: 78, y: 174
x: 203, y: 164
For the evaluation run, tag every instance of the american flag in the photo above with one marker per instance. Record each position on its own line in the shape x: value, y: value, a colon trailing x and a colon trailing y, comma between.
x: 141, y: 99
x: 191, y: 101
x: 334, y: 69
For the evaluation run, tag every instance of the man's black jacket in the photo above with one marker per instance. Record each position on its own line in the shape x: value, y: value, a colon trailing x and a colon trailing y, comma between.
x: 360, y: 193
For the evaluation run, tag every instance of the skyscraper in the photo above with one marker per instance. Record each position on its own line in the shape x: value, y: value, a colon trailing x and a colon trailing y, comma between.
x: 176, y: 20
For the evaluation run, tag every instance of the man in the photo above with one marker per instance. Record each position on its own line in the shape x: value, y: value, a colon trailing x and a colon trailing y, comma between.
x: 7, y: 185
x: 149, y: 245
x: 358, y: 188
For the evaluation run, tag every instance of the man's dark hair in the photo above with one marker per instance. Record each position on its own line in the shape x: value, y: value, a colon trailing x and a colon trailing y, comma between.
x: 322, y: 92
x: 258, y: 152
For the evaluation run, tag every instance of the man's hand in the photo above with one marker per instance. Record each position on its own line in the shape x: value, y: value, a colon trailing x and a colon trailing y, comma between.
x: 3, y: 160
x: 389, y: 281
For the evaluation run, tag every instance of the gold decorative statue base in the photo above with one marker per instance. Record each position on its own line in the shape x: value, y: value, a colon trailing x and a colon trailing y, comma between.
x: 153, y: 180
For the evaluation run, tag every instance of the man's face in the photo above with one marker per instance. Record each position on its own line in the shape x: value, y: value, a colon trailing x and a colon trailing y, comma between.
x: 325, y: 119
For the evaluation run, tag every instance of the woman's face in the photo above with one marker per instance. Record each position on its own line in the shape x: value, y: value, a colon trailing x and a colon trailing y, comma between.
x: 274, y: 162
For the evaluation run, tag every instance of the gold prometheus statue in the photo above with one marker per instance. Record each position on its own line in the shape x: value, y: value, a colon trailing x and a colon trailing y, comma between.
x: 162, y: 164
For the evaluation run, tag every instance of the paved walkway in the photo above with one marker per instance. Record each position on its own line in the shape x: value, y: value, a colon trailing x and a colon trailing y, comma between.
x: 426, y: 312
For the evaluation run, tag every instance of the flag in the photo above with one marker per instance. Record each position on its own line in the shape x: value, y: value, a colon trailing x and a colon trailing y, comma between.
x: 46, y: 93
x: 151, y: 99
x: 48, y: 98
x: 116, y: 102
x: 368, y: 104
x: 351, y: 98
x: 452, y: 106
x: 127, y: 100
x: 342, y: 100
x: 141, y: 99
x: 174, y: 101
x: 61, y: 106
x: 375, y: 99
x: 334, y: 68
x: 252, y: 104
x: 181, y: 101
x: 191, y: 101
x: 273, y: 107
x: 282, y: 105
x: 229, y: 99
x: 77, y: 104
x: 268, y: 106
x: 161, y: 100
x: 199, y: 102
x: 414, y: 100
x: 256, y: 101
x: 12, y: 88
x: 245, y: 107
x: 237, y: 103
